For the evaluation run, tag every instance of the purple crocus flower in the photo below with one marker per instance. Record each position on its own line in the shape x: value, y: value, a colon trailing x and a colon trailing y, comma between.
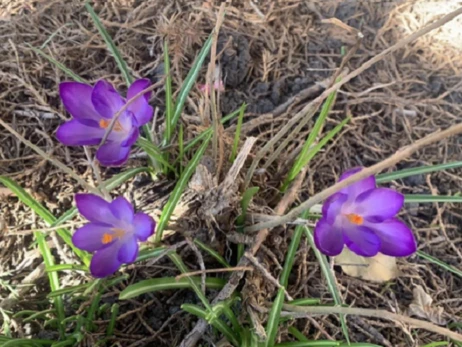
x: 362, y: 217
x: 113, y: 232
x: 93, y: 108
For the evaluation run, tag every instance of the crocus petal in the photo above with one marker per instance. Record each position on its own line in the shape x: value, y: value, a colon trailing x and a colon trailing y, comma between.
x: 328, y: 238
x: 112, y: 154
x: 95, y: 209
x: 359, y: 187
x: 362, y: 240
x: 105, y: 99
x: 377, y: 205
x: 128, y: 251
x: 143, y: 226
x: 76, y: 98
x: 332, y: 206
x: 396, y: 237
x: 75, y: 133
x: 122, y: 210
x: 105, y: 261
x: 90, y: 236
x: 140, y: 107
x: 131, y: 138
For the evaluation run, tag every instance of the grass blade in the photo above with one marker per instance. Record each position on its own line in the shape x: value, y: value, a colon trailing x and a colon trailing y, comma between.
x: 184, y: 270
x: 181, y: 146
x: 304, y: 159
x: 208, y: 132
x: 331, y: 282
x: 246, y: 199
x: 189, y: 83
x: 237, y: 135
x: 273, y: 319
x: 308, y: 343
x: 169, y: 109
x: 297, y: 334
x: 392, y: 176
x: 293, y: 247
x: 146, y: 254
x: 299, y: 162
x: 154, y: 152
x: 212, y: 252
x: 7, y: 342
x: 424, y: 198
x: 63, y: 267
x: 438, y: 262
x: 305, y: 302
x: 166, y: 283
x: 59, y: 65
x: 112, y: 321
x: 216, y: 322
x: 46, y: 215
x: 110, y: 44
x: 178, y: 190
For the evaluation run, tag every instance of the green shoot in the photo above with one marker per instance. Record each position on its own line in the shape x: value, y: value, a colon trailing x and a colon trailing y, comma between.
x: 178, y: 190
x: 330, y: 278
x: 246, y: 199
x: 273, y: 318
x: 438, y: 262
x: 212, y: 252
x: 297, y: 334
x: 425, y: 198
x: 392, y: 176
x: 237, y: 135
x: 168, y: 96
x: 166, y: 283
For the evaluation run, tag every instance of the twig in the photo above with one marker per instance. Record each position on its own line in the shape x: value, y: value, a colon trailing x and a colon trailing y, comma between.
x: 366, y: 172
x: 303, y: 311
x: 200, y: 260
x: 266, y: 274
x: 316, y: 102
x: 54, y: 161
x: 226, y: 269
x: 94, y: 165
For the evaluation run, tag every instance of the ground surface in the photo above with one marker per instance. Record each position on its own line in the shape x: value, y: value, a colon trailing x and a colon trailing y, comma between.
x: 272, y: 51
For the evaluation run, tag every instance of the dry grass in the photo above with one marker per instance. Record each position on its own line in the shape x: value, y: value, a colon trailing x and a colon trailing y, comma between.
x: 271, y: 51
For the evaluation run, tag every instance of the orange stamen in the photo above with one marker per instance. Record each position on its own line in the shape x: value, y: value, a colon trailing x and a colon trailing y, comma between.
x: 355, y: 218
x: 107, y: 238
x: 104, y: 123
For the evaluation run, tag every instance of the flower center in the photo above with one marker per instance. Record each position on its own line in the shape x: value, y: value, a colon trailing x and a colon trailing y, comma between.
x: 104, y: 123
x: 355, y: 218
x: 108, y: 238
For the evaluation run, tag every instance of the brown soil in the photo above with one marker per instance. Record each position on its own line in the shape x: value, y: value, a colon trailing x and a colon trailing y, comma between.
x: 270, y: 51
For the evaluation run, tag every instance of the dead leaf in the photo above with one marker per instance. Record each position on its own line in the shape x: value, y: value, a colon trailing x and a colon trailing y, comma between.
x: 421, y: 307
x: 380, y: 268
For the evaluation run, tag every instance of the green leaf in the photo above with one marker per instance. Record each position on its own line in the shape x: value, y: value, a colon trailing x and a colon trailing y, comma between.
x: 59, y: 65
x: 424, y: 198
x: 168, y: 96
x: 209, y: 130
x: 184, y: 270
x: 63, y: 267
x: 245, y: 201
x: 392, y: 176
x: 112, y: 321
x: 216, y: 323
x: 305, y: 302
x: 154, y: 152
x: 189, y: 83
x: 110, y: 44
x: 67, y: 290
x: 437, y: 344
x: 293, y: 248
x: 324, y: 343
x: 46, y: 215
x: 304, y: 158
x: 146, y: 254
x: 237, y: 135
x: 7, y: 342
x: 212, y: 252
x: 330, y: 278
x: 166, y: 283
x: 438, y: 262
x: 178, y: 190
x: 273, y: 318
x: 297, y: 334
